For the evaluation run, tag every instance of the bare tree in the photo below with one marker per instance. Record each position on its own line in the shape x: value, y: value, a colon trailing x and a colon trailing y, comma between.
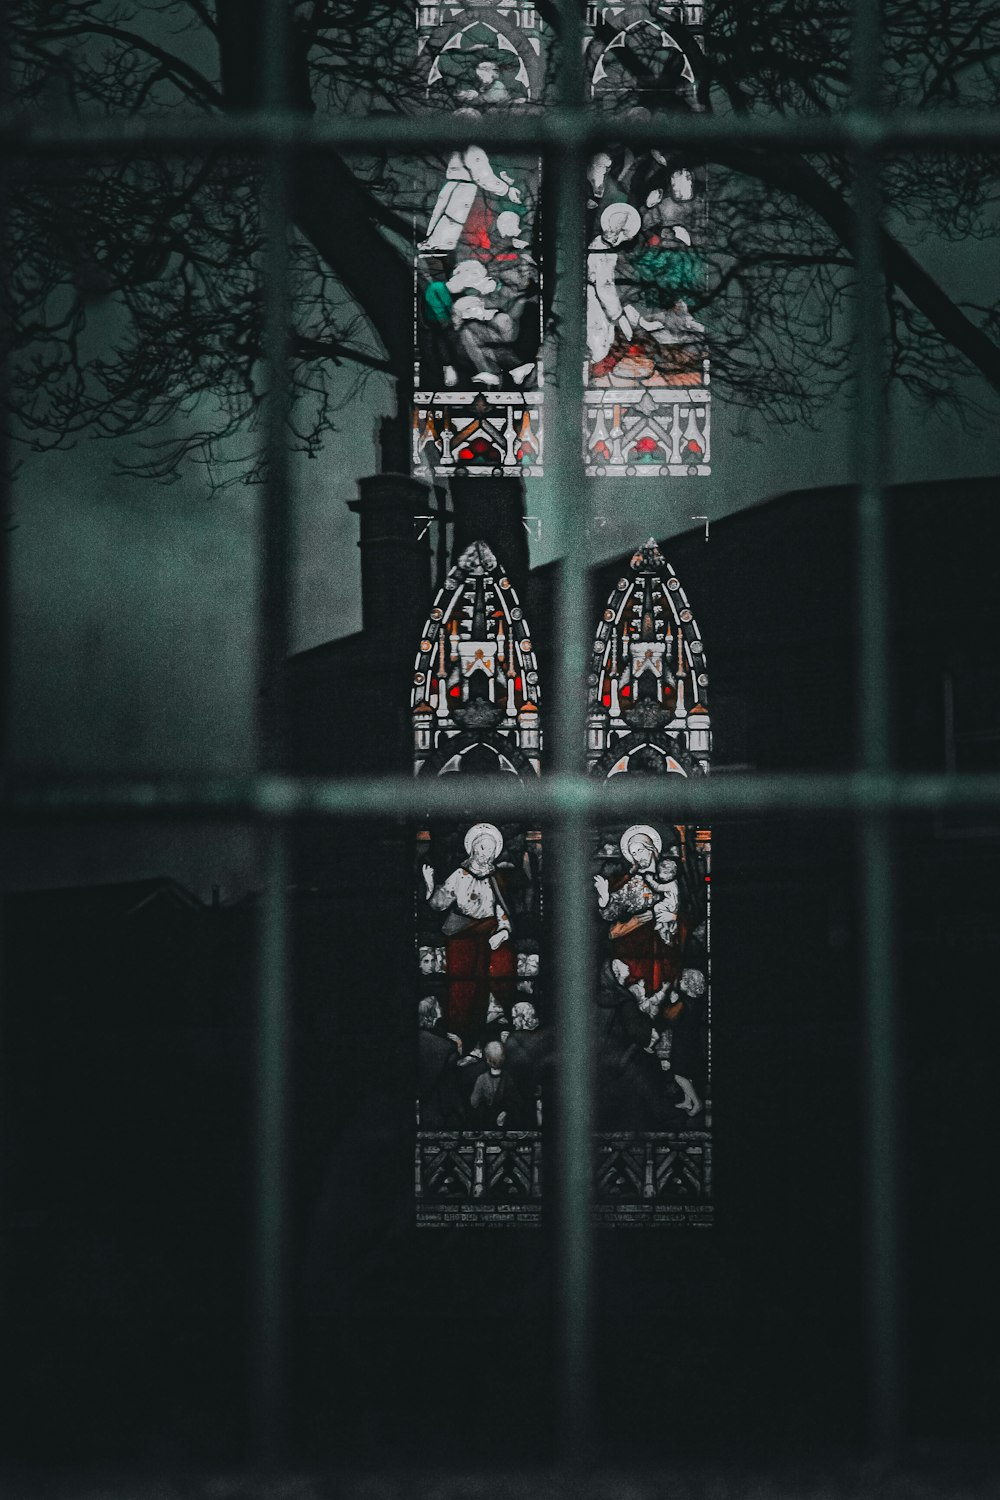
x: 170, y: 248
x: 786, y: 226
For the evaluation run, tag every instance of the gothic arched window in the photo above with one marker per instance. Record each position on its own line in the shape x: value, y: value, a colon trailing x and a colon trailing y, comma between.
x: 482, y: 1010
x: 475, y: 681
x: 648, y: 716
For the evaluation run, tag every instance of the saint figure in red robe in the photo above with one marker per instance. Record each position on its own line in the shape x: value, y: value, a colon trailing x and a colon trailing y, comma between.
x: 642, y: 905
x: 479, y: 955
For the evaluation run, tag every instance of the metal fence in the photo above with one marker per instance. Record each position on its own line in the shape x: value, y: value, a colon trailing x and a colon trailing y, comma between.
x: 273, y: 800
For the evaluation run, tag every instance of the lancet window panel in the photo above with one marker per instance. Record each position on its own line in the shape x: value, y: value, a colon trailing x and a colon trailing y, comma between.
x: 647, y: 409
x: 475, y: 696
x: 648, y: 716
x: 477, y: 274
x: 484, y: 1043
x: 648, y: 688
x: 484, y: 1039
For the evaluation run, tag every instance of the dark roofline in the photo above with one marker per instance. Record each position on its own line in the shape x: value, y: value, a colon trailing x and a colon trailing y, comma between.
x: 327, y: 648
x: 134, y: 894
x: 838, y: 494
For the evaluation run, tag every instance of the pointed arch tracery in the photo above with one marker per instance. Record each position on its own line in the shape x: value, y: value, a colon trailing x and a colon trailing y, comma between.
x: 454, y: 63
x: 475, y: 680
x: 648, y: 684
x: 649, y: 42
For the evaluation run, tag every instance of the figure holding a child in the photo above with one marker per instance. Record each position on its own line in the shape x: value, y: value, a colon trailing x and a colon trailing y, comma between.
x: 642, y: 906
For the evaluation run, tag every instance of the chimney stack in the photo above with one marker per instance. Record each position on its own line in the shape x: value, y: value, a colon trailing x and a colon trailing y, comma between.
x: 395, y: 558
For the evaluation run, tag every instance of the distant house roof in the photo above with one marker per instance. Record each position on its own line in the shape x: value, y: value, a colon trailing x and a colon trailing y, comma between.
x: 117, y: 899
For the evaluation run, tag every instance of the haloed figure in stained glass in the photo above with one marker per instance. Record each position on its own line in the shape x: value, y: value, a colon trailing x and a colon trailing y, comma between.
x: 650, y: 1016
x: 480, y: 961
x: 605, y: 314
x: 642, y: 905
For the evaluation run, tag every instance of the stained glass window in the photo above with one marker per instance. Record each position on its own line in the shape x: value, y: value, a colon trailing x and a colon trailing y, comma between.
x: 484, y: 1028
x: 647, y: 376
x: 478, y: 372
x: 483, y: 1035
x: 648, y: 716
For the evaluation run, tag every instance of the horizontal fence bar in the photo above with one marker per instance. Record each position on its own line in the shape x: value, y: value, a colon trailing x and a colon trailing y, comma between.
x: 274, y: 797
x: 860, y: 132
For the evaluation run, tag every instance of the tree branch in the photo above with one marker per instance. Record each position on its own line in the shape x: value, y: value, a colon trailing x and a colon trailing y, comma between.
x: 799, y: 177
x: 333, y: 349
x: 198, y: 85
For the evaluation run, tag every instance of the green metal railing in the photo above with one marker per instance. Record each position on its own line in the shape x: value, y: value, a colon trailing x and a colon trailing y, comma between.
x: 273, y: 800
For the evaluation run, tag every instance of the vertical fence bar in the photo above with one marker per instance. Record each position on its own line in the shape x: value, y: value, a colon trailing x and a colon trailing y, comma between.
x: 274, y: 632
x: 6, y: 314
x: 875, y: 834
x: 6, y: 643
x: 879, y: 1084
x: 270, y: 1353
x: 573, y: 940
